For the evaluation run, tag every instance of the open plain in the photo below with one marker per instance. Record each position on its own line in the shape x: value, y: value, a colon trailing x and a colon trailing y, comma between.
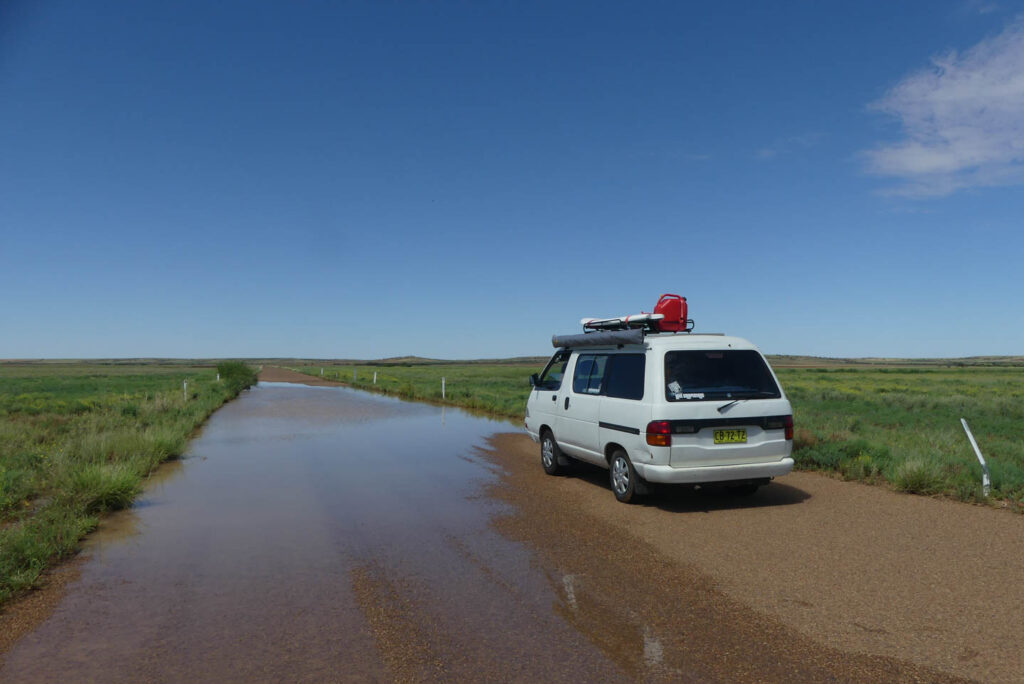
x: 321, y: 533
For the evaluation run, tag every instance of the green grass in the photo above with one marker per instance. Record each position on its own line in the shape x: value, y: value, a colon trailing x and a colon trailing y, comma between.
x: 888, y: 424
x: 498, y: 388
x: 77, y: 440
x: 902, y: 426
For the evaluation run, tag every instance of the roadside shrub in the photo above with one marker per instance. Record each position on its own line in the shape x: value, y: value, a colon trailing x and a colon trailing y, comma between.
x: 828, y: 455
x: 236, y: 376
x: 104, y: 487
x: 166, y: 442
x: 11, y: 487
x: 967, y: 490
x: 917, y: 476
x: 25, y: 548
x: 863, y: 467
x: 804, y: 438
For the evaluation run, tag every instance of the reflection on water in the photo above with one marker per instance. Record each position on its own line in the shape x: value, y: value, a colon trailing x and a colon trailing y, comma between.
x: 609, y: 623
x: 253, y: 557
x: 654, y: 652
x: 120, y: 525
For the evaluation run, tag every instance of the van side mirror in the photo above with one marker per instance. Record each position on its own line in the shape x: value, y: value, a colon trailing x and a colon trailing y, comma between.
x: 534, y: 380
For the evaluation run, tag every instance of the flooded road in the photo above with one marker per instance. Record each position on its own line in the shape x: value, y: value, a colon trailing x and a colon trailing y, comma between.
x: 318, y: 533
x: 311, y: 533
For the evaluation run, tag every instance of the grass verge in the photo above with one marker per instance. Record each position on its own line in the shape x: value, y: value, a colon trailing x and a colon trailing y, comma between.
x: 891, y: 425
x: 77, y: 440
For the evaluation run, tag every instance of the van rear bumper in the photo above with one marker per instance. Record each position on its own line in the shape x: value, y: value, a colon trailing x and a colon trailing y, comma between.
x: 725, y: 473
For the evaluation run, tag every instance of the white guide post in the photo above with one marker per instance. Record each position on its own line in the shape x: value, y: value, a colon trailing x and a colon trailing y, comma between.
x: 218, y: 377
x: 321, y: 372
x: 442, y: 388
x: 986, y: 481
x: 184, y: 390
x: 374, y: 377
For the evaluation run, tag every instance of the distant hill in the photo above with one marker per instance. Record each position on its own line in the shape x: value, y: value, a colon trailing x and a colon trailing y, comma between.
x: 786, y: 361
x: 777, y: 360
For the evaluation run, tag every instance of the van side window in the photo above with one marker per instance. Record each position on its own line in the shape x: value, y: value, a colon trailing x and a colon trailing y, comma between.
x: 625, y: 378
x: 589, y: 373
x: 551, y: 378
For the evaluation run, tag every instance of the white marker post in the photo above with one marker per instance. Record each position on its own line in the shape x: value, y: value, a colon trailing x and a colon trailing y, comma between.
x: 986, y: 481
x: 218, y: 377
x: 321, y: 372
x: 184, y: 390
x: 442, y: 388
x: 374, y: 377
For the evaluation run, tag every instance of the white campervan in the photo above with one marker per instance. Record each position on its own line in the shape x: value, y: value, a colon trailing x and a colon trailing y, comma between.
x: 667, y: 407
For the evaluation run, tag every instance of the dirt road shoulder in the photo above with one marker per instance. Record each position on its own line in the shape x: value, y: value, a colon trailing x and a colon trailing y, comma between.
x: 845, y: 579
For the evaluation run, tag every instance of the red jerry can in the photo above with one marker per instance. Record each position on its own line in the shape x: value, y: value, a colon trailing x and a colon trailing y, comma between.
x: 673, y: 308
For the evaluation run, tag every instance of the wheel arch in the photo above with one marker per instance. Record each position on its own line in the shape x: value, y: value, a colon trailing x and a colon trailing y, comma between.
x: 610, y: 448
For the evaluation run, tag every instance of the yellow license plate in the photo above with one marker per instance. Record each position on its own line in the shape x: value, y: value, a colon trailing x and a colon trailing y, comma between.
x: 730, y: 436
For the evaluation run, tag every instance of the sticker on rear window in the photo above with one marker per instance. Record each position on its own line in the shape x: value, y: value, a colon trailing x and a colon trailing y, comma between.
x: 677, y: 391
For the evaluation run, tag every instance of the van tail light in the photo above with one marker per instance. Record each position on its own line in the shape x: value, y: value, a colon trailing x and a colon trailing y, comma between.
x: 659, y: 433
x: 780, y: 423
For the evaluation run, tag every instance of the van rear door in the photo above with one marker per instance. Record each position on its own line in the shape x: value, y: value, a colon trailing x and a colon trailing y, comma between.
x: 725, y: 407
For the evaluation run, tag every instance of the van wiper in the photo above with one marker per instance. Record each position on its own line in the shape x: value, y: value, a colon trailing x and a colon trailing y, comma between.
x: 756, y: 393
x: 721, y: 409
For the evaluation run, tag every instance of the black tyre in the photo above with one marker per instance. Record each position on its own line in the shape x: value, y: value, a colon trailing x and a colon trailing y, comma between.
x: 550, y: 453
x: 624, y: 479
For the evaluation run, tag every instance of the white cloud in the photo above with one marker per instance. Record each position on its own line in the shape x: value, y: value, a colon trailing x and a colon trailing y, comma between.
x: 981, y: 6
x: 963, y: 120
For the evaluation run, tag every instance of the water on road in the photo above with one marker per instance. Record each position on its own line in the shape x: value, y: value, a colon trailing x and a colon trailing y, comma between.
x: 312, y: 533
x: 317, y: 533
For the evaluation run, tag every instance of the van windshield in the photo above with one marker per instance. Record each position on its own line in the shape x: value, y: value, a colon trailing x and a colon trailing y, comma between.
x: 707, y: 375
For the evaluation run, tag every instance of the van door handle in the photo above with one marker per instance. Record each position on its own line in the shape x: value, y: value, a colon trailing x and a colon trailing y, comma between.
x: 554, y: 397
x: 567, y: 402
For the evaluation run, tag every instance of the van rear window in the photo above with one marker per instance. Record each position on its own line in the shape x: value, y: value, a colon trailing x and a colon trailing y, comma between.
x: 705, y: 375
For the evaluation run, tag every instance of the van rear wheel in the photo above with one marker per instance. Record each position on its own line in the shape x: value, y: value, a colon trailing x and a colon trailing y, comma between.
x: 550, y: 453
x: 623, y: 477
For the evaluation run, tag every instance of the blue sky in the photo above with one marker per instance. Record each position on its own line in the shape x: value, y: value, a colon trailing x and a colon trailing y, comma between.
x: 462, y: 180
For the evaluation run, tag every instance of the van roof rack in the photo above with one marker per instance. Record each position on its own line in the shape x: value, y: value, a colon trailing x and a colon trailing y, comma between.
x: 669, y: 316
x: 601, y: 338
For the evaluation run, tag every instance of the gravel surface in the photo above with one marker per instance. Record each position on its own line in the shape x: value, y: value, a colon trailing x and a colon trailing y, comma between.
x: 861, y: 582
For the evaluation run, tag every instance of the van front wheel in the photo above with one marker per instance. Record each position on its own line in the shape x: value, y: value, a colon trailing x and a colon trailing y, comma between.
x: 623, y: 477
x: 549, y: 453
